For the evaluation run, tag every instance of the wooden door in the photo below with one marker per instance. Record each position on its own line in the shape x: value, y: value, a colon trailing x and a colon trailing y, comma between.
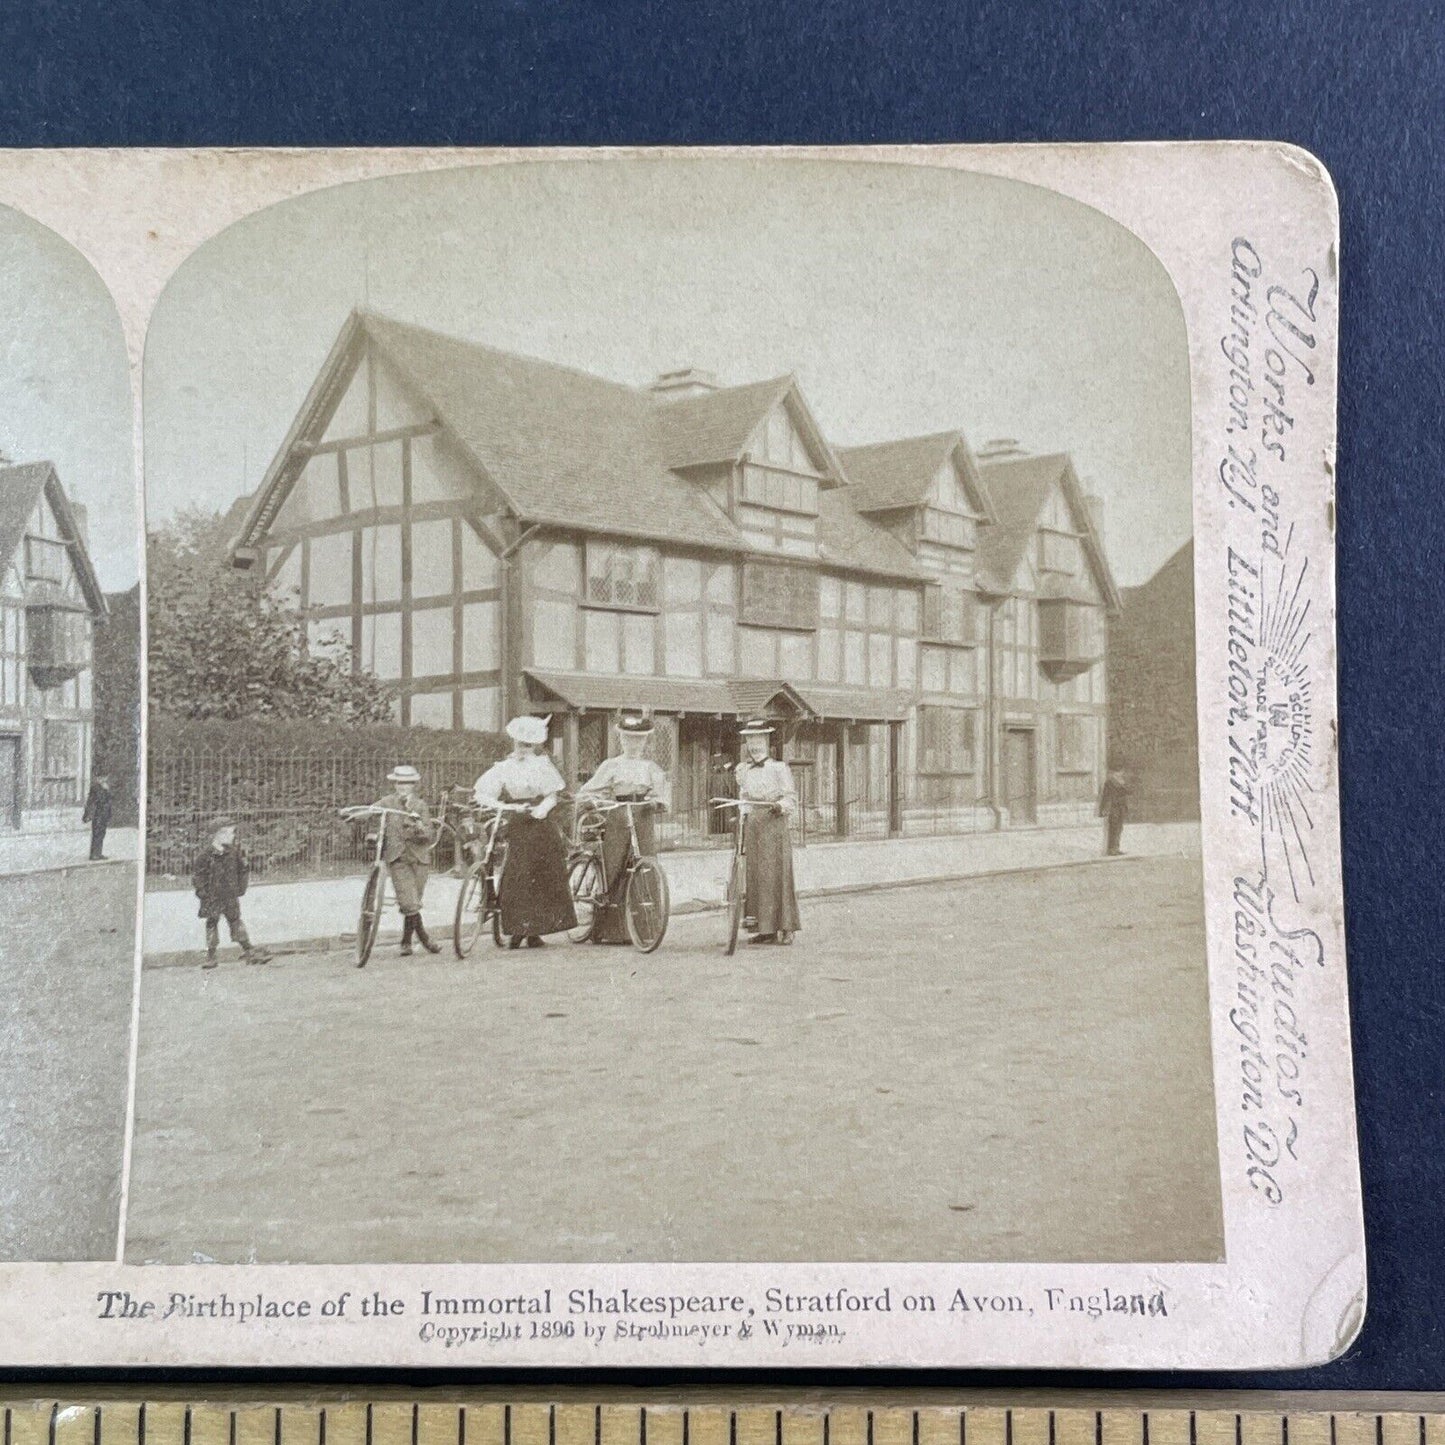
x: 1018, y: 775
x: 9, y: 782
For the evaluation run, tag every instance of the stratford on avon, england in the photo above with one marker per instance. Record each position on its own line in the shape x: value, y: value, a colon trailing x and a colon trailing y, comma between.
x: 926, y: 622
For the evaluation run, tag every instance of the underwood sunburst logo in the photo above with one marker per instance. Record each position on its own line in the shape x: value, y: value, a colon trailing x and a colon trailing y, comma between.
x: 1286, y: 715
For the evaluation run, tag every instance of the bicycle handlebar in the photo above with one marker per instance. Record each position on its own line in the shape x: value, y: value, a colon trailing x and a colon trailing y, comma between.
x: 372, y: 810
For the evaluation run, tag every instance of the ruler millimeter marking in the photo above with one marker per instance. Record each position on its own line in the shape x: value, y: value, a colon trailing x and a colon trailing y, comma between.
x: 709, y: 1419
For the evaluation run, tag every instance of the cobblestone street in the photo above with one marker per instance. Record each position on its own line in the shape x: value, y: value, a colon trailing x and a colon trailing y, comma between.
x: 1001, y: 1068
x: 67, y: 977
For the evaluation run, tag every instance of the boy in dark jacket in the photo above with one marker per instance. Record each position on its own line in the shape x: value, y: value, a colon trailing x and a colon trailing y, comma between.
x: 220, y: 879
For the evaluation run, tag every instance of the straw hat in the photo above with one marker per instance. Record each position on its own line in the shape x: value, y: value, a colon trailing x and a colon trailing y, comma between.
x: 403, y: 773
x: 528, y: 729
x: 638, y: 726
x: 755, y: 727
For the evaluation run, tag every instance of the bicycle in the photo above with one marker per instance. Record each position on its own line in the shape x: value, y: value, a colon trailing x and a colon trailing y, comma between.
x: 374, y: 894
x: 735, y: 898
x: 479, y: 898
x: 737, y: 885
x: 646, y: 900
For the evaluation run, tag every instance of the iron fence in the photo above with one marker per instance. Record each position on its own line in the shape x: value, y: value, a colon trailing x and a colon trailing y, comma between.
x: 286, y: 808
x: 285, y: 805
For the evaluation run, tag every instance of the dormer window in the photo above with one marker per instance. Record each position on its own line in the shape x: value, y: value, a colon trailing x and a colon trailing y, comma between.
x: 1059, y: 552
x: 780, y: 491
x: 44, y: 560
x: 950, y: 529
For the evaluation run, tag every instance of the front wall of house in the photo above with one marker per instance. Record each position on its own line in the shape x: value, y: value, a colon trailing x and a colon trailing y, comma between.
x: 379, y: 541
x: 385, y: 543
x: 46, y: 733
x: 607, y: 607
x: 1066, y: 717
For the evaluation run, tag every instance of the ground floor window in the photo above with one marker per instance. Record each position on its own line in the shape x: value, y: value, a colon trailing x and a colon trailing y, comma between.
x: 1075, y: 750
x: 947, y: 740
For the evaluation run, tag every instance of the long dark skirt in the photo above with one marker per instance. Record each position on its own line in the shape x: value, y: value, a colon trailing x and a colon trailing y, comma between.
x: 535, y: 897
x: 770, y: 899
x: 616, y: 842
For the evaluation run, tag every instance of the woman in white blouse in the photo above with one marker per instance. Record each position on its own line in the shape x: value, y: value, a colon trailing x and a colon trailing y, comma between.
x: 630, y: 778
x: 535, y: 898
x: 769, y: 800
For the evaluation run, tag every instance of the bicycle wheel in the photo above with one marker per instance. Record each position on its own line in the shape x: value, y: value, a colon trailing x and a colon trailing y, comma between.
x: 368, y: 925
x: 494, y: 893
x: 468, y: 920
x: 737, y: 892
x: 646, y: 905
x: 584, y: 881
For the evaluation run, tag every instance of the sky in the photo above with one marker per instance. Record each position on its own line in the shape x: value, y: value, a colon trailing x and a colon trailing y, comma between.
x: 905, y: 299
x: 65, y: 393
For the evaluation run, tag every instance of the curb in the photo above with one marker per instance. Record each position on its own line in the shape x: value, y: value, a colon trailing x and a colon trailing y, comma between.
x: 87, y: 864
x: 329, y: 943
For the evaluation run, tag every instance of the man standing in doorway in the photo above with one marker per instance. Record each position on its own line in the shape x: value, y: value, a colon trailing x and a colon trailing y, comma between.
x: 97, y: 814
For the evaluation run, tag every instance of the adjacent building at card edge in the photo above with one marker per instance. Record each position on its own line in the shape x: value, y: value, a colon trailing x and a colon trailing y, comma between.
x: 1153, y: 695
x: 499, y: 534
x: 50, y: 604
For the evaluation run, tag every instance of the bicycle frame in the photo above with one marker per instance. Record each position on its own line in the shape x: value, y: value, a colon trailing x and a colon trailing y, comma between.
x: 634, y: 847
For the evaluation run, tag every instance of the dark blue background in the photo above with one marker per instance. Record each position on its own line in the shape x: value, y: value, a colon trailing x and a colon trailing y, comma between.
x: 1362, y: 86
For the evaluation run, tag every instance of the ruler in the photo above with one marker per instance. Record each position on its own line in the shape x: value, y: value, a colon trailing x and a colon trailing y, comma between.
x: 720, y: 1417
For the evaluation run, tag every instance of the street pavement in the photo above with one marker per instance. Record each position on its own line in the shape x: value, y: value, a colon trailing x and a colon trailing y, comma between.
x: 998, y: 1068
x: 66, y: 983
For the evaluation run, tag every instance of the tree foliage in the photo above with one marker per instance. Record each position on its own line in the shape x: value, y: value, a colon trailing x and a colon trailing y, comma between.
x: 223, y: 645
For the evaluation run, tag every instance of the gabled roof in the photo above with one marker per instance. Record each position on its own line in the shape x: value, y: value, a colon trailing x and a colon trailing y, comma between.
x: 846, y: 539
x: 1018, y: 487
x: 722, y: 697
x: 21, y: 487
x: 561, y: 445
x: 715, y: 426
x: 898, y: 473
x: 569, y: 449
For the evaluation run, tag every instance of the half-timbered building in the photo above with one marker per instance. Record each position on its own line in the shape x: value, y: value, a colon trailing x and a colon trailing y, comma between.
x: 496, y: 534
x: 50, y: 604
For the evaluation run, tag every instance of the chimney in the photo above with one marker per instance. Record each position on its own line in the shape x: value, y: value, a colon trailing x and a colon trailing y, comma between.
x: 686, y: 381
x: 993, y: 450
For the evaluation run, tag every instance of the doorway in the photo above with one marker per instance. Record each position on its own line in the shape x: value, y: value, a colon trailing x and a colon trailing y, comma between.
x: 9, y: 781
x: 1018, y: 776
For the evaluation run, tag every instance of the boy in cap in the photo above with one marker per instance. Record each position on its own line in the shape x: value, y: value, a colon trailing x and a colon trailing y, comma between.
x: 220, y: 877
x: 406, y: 846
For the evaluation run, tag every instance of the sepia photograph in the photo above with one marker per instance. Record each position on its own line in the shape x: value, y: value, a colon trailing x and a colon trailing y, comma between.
x: 672, y: 728
x: 69, y: 748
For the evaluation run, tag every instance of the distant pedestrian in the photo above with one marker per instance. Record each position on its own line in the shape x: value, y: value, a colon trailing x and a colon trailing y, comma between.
x: 220, y: 877
x: 535, y: 895
x: 1114, y: 806
x: 97, y: 814
x: 769, y: 800
x: 406, y: 847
